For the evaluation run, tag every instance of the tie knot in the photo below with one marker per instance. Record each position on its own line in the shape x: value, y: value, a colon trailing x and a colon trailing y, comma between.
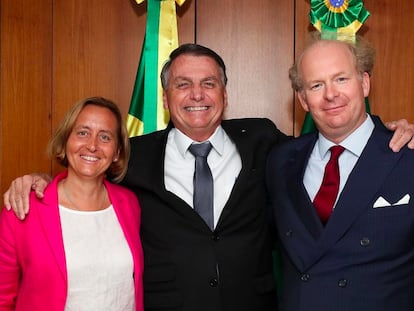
x: 200, y: 150
x: 336, y: 151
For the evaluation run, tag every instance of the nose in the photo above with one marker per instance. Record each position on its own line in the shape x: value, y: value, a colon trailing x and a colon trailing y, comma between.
x: 330, y: 91
x: 197, y: 93
x: 92, y: 143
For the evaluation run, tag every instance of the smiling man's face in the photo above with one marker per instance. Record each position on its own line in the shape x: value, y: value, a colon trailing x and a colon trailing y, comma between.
x: 196, y: 96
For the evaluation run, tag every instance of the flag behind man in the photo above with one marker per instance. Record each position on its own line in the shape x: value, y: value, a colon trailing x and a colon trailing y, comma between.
x: 146, y: 112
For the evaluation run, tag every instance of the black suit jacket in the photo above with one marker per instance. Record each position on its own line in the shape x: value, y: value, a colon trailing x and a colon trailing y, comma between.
x: 187, y: 266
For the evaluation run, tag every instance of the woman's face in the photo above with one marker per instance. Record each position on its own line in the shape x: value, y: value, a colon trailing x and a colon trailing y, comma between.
x: 92, y: 145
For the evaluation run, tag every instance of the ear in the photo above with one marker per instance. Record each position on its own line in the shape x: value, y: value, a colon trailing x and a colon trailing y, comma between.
x: 165, y: 100
x: 302, y: 100
x: 225, y: 98
x: 116, y: 156
x: 366, y: 83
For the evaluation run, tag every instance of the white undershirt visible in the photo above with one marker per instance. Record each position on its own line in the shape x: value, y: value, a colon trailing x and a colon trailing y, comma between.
x: 354, y: 144
x: 99, y: 261
x: 224, y: 161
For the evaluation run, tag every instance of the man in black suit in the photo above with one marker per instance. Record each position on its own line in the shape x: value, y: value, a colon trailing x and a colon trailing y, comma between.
x: 188, y: 265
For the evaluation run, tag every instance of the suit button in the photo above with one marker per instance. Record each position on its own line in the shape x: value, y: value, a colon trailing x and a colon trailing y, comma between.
x: 342, y: 283
x: 215, y: 237
x: 364, y: 242
x: 213, y: 282
x: 305, y: 277
x: 289, y: 233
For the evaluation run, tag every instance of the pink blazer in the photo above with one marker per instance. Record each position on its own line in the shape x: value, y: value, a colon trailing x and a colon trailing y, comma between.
x: 33, y: 272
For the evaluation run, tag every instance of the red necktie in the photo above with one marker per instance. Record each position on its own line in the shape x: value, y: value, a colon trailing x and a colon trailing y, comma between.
x: 326, y: 196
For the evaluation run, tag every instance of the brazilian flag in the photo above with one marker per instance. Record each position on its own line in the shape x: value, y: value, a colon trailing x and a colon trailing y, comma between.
x: 146, y: 112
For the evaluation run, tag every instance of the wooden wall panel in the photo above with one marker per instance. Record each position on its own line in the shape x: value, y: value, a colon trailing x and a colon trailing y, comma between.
x: 25, y: 87
x: 55, y: 52
x: 302, y: 27
x: 390, y: 29
x: 186, y: 22
x: 97, y: 46
x: 255, y: 40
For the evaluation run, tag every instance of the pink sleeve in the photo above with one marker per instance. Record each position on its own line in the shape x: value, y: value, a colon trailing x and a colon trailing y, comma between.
x: 9, y: 265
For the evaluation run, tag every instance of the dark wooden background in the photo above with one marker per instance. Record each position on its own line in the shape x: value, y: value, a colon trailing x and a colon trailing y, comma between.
x: 55, y: 52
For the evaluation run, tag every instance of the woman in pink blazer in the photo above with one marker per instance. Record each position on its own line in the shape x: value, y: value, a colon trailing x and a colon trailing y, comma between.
x: 79, y: 247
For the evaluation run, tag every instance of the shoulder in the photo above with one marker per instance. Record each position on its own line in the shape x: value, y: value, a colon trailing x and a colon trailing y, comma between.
x: 259, y: 123
x: 260, y: 127
x: 149, y: 138
x: 299, y: 144
x: 124, y: 201
x: 117, y: 191
x: 7, y: 218
x: 381, y: 135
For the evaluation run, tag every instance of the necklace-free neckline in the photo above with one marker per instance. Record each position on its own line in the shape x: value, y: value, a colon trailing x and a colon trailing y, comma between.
x: 69, y: 198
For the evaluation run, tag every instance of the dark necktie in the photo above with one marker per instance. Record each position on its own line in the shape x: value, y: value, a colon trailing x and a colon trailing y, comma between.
x: 326, y: 196
x: 203, y: 183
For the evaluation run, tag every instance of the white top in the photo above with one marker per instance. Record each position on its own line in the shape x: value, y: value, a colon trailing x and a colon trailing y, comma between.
x: 224, y: 161
x: 354, y: 144
x: 99, y: 262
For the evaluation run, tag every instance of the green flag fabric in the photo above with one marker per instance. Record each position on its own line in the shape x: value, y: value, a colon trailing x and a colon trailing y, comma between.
x: 338, y: 16
x: 146, y: 112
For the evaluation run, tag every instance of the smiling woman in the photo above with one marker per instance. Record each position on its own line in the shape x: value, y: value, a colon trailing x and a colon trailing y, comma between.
x: 86, y: 220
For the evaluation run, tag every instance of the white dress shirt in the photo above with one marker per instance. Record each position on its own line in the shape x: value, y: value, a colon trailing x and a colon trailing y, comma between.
x: 353, y: 144
x: 224, y: 161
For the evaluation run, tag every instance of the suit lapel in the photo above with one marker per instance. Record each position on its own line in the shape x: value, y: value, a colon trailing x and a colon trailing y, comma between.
x: 304, y: 208
x: 240, y: 136
x: 126, y: 218
x: 154, y: 171
x: 155, y: 177
x: 369, y: 173
x: 48, y: 212
x: 155, y: 159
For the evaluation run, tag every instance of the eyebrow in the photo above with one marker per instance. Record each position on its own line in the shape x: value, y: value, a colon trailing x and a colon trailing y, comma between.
x: 190, y: 79
x: 82, y: 127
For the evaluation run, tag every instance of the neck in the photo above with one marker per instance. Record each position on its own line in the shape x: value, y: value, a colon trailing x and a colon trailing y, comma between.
x: 82, y: 197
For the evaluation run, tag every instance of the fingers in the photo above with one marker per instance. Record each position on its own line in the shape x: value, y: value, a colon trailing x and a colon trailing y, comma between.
x: 17, y: 196
x: 403, y: 134
x: 6, y: 200
x: 22, y: 188
x: 392, y: 125
x: 39, y: 184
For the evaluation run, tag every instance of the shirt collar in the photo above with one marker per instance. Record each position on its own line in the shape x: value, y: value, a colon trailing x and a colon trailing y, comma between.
x: 354, y: 143
x: 183, y: 141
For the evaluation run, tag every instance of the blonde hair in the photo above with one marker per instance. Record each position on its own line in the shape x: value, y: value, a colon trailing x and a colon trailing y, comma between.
x: 362, y: 50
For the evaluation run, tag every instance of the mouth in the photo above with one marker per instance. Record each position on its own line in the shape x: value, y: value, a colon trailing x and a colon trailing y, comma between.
x: 196, y: 108
x: 335, y: 109
x: 89, y: 158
